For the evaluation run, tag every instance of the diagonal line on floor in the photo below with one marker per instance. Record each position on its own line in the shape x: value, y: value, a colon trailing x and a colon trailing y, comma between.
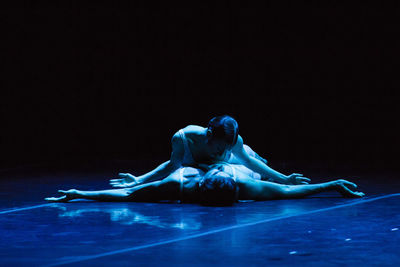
x: 26, y: 208
x: 119, y: 251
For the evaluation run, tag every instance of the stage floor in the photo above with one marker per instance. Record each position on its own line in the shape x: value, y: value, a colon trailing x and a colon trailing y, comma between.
x: 323, y: 230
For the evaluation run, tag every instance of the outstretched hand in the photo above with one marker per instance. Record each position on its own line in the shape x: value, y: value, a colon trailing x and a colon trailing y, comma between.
x: 298, y: 178
x: 347, y: 189
x: 124, y: 180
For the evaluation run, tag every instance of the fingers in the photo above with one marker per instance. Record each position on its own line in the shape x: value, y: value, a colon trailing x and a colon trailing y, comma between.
x: 346, y: 192
x: 57, y: 199
x: 353, y: 186
x: 297, y: 174
x: 303, y: 180
x: 52, y: 199
x: 358, y: 194
x: 118, y: 185
x: 117, y: 181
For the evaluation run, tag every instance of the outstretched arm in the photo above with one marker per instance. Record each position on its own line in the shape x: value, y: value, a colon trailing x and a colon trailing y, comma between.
x: 262, y: 190
x: 167, y: 189
x: 162, y: 171
x: 260, y: 167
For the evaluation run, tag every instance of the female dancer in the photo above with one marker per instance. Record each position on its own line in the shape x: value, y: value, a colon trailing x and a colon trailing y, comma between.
x: 222, y: 184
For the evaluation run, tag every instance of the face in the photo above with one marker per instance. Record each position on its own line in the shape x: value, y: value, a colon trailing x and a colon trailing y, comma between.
x: 218, y: 170
x: 217, y: 148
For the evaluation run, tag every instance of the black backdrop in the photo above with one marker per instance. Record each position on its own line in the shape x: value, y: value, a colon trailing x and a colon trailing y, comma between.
x: 312, y: 83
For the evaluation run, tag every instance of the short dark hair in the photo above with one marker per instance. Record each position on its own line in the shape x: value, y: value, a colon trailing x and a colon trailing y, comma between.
x: 217, y: 190
x: 224, y: 128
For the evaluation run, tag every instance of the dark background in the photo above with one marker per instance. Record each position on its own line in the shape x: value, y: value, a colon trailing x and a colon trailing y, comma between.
x: 313, y: 84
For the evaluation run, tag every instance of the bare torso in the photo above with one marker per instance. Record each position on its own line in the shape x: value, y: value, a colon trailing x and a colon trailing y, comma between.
x: 195, y: 136
x: 190, y: 177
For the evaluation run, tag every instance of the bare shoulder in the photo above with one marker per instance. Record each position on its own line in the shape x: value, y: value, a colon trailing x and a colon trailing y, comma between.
x: 248, y: 188
x: 193, y: 129
x: 243, y: 181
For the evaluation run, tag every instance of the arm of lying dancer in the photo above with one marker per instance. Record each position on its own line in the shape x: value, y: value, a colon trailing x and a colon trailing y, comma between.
x: 166, y: 189
x: 162, y: 171
x: 263, y: 169
x: 251, y: 189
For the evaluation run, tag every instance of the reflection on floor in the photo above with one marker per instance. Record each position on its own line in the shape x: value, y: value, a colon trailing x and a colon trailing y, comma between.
x: 322, y: 230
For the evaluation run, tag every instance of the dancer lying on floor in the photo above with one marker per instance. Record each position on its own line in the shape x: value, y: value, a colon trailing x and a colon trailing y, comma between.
x: 219, y: 142
x: 221, y: 185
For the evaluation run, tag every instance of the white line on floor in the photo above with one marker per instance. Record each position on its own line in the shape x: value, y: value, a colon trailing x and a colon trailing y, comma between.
x: 84, y: 258
x: 26, y: 208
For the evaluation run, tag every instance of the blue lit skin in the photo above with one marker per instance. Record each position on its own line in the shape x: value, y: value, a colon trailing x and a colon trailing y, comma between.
x: 205, y: 152
x: 217, y: 149
x: 249, y: 188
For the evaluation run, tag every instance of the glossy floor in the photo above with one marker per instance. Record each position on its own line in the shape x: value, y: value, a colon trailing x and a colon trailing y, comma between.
x: 324, y: 230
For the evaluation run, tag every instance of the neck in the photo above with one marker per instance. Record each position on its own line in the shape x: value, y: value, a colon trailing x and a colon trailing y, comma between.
x: 204, y: 138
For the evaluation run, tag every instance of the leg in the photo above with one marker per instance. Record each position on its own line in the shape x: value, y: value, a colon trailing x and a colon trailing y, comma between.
x: 167, y: 189
x: 262, y: 190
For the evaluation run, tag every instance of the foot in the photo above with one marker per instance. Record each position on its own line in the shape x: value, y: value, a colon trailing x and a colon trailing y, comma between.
x: 345, y: 188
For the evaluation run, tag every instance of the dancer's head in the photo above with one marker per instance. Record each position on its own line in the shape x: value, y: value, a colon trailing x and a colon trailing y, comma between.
x: 218, y: 188
x: 222, y: 134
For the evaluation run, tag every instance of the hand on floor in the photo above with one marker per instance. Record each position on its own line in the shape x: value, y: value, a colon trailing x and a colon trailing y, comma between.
x: 297, y: 178
x: 124, y: 180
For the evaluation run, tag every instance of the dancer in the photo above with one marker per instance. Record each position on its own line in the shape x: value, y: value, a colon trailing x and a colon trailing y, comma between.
x: 198, y: 146
x: 221, y: 185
